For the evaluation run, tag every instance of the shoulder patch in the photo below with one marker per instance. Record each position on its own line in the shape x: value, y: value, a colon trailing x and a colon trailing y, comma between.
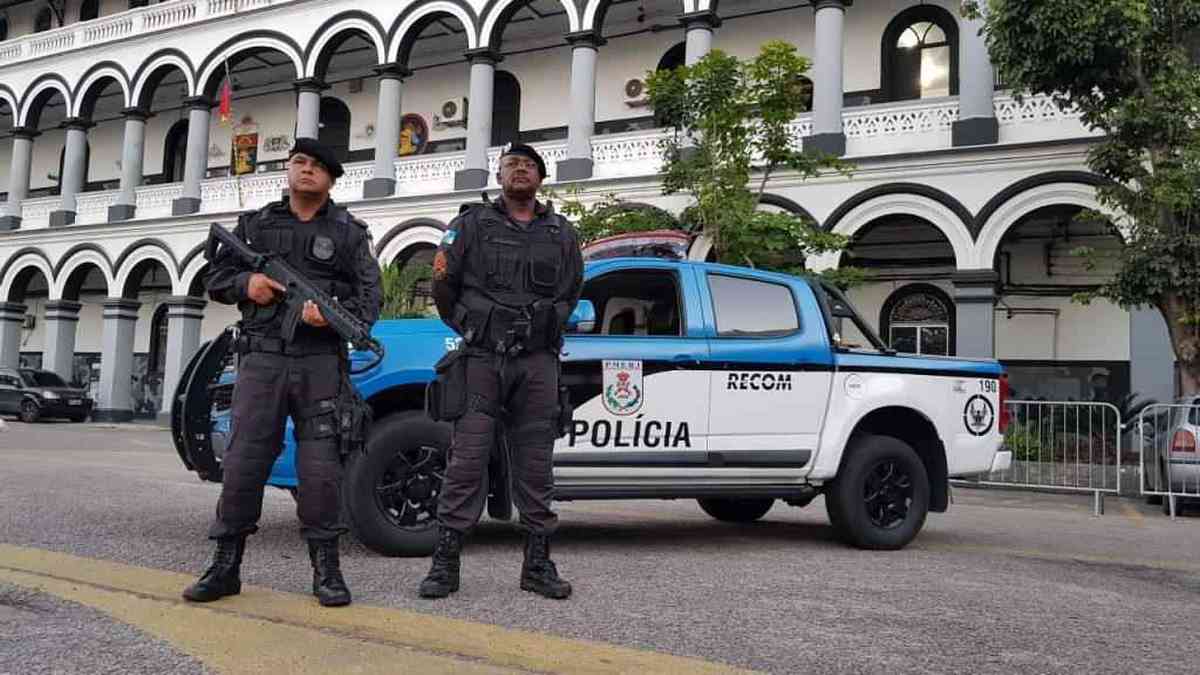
x: 449, y: 237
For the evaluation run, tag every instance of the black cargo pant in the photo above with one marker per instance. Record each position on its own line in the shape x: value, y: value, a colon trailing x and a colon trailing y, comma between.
x: 527, y: 407
x: 270, y: 387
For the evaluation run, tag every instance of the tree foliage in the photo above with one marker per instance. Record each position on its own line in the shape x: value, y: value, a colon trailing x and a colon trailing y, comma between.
x: 400, y: 297
x: 733, y: 131
x: 1129, y: 67
x: 610, y: 216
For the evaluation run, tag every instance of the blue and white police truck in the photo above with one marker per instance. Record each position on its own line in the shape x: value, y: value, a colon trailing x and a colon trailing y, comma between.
x: 731, y: 386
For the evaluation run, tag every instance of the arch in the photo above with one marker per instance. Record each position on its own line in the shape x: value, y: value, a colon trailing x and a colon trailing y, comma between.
x: 929, y: 204
x: 21, y: 261
x: 40, y: 93
x: 673, y: 58
x: 891, y: 35
x: 331, y: 34
x: 1003, y: 217
x: 8, y: 97
x: 91, y: 86
x: 140, y: 250
x: 407, y: 234
x: 908, y: 290
x: 138, y: 265
x: 503, y: 10
x: 596, y: 10
x: 236, y: 48
x: 417, y: 18
x: 149, y: 75
x: 79, y: 256
x: 175, y: 151
x: 781, y: 202
x: 191, y: 277
x: 157, y: 351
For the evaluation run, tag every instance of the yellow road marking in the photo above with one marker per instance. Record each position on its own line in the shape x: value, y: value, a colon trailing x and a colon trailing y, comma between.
x: 277, y: 630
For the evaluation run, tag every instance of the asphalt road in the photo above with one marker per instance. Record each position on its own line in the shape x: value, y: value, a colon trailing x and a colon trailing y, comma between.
x: 1005, y: 582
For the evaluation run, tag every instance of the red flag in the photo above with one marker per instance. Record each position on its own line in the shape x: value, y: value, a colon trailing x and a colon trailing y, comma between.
x: 226, y: 109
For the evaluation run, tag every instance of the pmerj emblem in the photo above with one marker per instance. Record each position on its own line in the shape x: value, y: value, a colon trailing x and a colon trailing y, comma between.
x: 624, y: 390
x: 979, y: 415
x: 322, y: 248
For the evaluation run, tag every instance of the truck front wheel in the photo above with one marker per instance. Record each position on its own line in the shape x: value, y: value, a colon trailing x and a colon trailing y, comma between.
x: 736, y: 510
x: 881, y: 496
x: 391, y: 492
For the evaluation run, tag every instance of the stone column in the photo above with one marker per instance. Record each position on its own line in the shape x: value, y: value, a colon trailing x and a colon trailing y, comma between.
x: 114, y: 402
x: 196, y: 164
x: 975, y: 315
x: 18, y: 176
x: 74, y: 167
x: 12, y: 318
x: 976, y: 124
x: 387, y: 132
x: 827, y: 135
x: 1151, y: 357
x: 698, y: 31
x: 132, y: 152
x: 308, y: 107
x: 479, y: 120
x: 62, y: 316
x: 184, y: 316
x: 578, y: 164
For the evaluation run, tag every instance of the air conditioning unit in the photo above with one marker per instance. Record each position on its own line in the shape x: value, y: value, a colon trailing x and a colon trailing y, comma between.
x: 635, y: 93
x: 30, y: 322
x: 452, y: 112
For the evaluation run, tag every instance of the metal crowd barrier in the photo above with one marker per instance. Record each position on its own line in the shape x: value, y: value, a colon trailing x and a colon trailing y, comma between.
x: 1063, y: 446
x: 1169, y: 439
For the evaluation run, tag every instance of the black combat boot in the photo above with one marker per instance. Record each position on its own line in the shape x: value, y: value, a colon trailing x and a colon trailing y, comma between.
x: 539, y: 574
x: 443, y: 573
x: 328, y: 584
x: 222, y: 578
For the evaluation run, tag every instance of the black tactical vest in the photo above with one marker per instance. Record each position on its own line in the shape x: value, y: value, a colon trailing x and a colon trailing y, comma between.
x: 322, y: 249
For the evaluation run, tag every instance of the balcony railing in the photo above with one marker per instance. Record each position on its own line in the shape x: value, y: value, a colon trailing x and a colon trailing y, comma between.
x: 870, y: 130
x: 135, y: 22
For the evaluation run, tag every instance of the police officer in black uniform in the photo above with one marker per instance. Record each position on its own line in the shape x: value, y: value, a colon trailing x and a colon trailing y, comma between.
x: 301, y: 378
x: 506, y: 277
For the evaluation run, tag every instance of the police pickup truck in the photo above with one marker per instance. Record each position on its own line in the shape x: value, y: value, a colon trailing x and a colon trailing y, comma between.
x: 731, y: 386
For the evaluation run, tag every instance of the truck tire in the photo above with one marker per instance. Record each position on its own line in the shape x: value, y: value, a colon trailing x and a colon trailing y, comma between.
x: 391, y: 492
x: 29, y: 412
x: 880, y: 497
x: 736, y: 510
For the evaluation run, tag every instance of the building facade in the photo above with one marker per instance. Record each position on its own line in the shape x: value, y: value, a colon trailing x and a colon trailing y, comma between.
x: 115, y: 155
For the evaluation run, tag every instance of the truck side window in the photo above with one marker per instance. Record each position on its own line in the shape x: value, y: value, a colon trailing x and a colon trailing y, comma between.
x: 749, y: 308
x: 636, y: 302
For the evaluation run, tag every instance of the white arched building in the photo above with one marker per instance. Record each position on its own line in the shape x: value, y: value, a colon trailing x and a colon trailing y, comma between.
x: 113, y: 162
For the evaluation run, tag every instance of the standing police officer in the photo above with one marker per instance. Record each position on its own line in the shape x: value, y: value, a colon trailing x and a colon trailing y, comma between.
x: 301, y: 378
x: 506, y: 277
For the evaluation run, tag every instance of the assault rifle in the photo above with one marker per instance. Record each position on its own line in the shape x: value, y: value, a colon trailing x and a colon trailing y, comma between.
x: 299, y: 290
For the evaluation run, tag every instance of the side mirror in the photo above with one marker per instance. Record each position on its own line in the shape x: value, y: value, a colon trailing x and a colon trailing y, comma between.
x: 583, y: 319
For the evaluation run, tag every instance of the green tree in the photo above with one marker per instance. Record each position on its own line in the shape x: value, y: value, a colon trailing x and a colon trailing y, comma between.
x: 733, y: 131
x: 1129, y: 68
x: 400, y: 299
x: 609, y: 216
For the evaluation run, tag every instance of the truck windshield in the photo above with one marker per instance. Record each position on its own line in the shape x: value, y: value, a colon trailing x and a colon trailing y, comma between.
x: 41, y: 378
x: 838, y: 310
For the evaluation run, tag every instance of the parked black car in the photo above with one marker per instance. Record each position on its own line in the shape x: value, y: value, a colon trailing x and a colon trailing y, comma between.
x: 35, y: 394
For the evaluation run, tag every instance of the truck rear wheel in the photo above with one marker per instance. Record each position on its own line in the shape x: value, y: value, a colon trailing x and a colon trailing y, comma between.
x: 880, y: 498
x: 736, y: 510
x: 391, y: 492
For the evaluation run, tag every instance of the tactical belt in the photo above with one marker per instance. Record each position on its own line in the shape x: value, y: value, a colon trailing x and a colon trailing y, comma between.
x: 257, y: 343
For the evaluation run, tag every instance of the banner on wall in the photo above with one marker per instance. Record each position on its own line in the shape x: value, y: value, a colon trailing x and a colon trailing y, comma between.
x: 245, y: 150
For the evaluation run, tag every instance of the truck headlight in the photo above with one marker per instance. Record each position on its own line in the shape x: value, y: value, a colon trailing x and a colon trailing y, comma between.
x: 50, y: 396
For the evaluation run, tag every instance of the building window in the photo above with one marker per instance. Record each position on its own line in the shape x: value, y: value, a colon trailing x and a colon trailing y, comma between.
x: 335, y: 127
x: 748, y: 308
x: 3, y: 29
x: 920, y: 54
x: 175, y: 152
x: 919, y: 319
x: 506, y: 109
x: 43, y: 21
x: 676, y: 56
x: 89, y: 9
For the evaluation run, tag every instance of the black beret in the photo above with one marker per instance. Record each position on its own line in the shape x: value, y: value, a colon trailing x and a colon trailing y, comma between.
x: 526, y: 151
x: 320, y: 152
